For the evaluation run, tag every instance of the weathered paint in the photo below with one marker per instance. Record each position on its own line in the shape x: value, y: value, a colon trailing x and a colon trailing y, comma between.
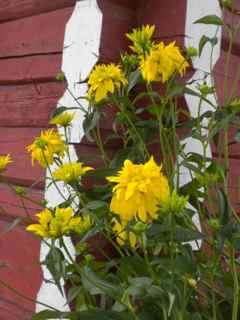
x: 81, y: 51
x: 202, y: 65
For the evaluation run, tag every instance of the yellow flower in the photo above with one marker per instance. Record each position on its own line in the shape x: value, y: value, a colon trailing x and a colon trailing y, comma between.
x: 70, y: 172
x: 46, y: 146
x: 105, y: 79
x: 162, y: 62
x: 58, y: 223
x: 123, y: 235
x: 64, y: 119
x: 4, y: 161
x: 141, y: 38
x: 140, y: 189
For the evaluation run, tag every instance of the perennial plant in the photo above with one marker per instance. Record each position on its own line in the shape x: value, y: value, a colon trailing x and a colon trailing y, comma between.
x: 160, y: 264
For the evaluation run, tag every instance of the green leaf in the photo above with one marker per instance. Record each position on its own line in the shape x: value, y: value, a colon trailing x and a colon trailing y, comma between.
x: 55, y: 262
x: 210, y: 19
x: 96, y: 285
x: 133, y: 80
x: 83, y: 315
x: 184, y: 235
x: 223, y: 207
x: 58, y: 111
x: 205, y: 40
x: 93, y: 205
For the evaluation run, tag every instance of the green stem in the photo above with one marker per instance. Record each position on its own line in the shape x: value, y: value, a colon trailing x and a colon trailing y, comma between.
x: 236, y: 286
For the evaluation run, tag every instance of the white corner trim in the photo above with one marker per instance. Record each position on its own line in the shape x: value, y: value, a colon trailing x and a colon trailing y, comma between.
x: 194, y: 32
x: 80, y: 54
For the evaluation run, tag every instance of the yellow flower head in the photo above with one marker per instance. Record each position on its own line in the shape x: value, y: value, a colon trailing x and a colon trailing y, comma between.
x: 162, y: 62
x: 46, y: 146
x: 124, y: 236
x: 139, y: 190
x: 64, y: 119
x: 141, y: 39
x: 105, y: 79
x: 59, y: 223
x: 4, y: 161
x: 70, y: 172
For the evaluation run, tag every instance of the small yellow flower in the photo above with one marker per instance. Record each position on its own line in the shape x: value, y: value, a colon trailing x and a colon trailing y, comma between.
x: 105, y: 79
x: 4, y: 161
x: 46, y: 146
x: 59, y: 223
x: 162, y: 62
x: 64, y: 119
x: 139, y: 190
x: 70, y: 172
x: 192, y: 282
x: 141, y: 39
x: 124, y: 236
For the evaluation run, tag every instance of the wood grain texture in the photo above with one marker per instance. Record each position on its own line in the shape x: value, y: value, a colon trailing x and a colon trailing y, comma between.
x: 15, y: 9
x: 44, y: 33
x: 41, y: 68
x: 20, y: 270
x: 29, y: 105
x: 21, y: 171
x: 166, y: 15
x: 12, y: 206
x: 40, y: 34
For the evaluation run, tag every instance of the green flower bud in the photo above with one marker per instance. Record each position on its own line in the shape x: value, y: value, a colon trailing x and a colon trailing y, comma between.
x: 139, y: 227
x: 206, y: 90
x: 191, y: 52
x: 214, y: 223
x: 20, y: 191
x: 174, y: 204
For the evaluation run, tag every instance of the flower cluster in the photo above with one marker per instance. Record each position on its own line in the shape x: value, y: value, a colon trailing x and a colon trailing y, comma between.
x: 139, y: 190
x: 64, y: 119
x: 141, y: 39
x: 70, y: 172
x: 58, y: 223
x: 156, y: 62
x: 105, y: 79
x: 45, y: 147
x: 162, y: 62
x: 4, y: 161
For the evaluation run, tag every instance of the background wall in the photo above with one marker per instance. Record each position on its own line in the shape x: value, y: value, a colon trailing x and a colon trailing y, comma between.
x: 31, y: 33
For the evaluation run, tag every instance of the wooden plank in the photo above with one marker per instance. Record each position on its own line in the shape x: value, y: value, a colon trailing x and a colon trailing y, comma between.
x: 15, y: 9
x: 14, y: 141
x: 117, y: 21
x: 34, y: 35
x: 223, y: 78
x: 44, y: 33
x: 167, y: 16
x: 30, y: 69
x: 29, y: 105
x: 12, y: 207
x: 20, y: 270
x: 232, y: 20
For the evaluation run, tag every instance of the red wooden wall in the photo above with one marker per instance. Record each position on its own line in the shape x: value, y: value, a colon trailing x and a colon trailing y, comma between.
x: 31, y: 33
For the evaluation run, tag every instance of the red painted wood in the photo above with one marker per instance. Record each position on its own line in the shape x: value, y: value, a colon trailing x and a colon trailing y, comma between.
x: 117, y: 21
x: 34, y: 35
x: 29, y: 105
x: 221, y: 75
x: 30, y: 69
x: 167, y: 15
x: 44, y: 33
x: 15, y: 9
x: 232, y: 20
x: 14, y: 141
x: 20, y: 270
x: 12, y: 206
